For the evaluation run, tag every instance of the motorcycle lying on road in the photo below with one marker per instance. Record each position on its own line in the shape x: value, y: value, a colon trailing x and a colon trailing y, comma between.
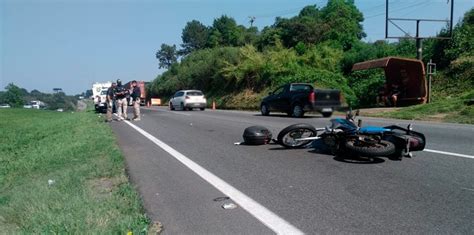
x: 345, y: 136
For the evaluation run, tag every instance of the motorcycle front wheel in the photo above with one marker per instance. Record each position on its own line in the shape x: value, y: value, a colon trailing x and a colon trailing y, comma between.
x: 289, y: 136
x: 382, y: 148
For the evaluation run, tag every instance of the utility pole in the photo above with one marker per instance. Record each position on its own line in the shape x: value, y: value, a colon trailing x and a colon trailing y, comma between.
x: 251, y: 20
x: 419, y: 42
x: 431, y: 71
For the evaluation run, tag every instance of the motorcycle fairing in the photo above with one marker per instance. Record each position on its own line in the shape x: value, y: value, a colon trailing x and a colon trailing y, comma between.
x: 343, y: 124
x: 373, y: 130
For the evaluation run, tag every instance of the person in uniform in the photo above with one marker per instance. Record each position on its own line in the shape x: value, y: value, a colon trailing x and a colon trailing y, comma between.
x: 135, y: 96
x: 110, y: 101
x: 121, y: 97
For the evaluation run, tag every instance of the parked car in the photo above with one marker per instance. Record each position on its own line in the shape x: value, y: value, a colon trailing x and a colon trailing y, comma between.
x: 188, y: 100
x: 297, y: 98
x: 4, y: 106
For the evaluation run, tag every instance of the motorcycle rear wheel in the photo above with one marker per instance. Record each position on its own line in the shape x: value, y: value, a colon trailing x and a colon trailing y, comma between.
x: 287, y: 137
x: 382, y: 148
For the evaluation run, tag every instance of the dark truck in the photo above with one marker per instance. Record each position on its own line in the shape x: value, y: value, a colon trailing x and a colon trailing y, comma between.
x: 297, y: 98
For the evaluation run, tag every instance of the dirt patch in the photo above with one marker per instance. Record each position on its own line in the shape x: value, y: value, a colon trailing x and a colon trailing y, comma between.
x: 155, y: 228
x: 81, y: 106
x: 378, y: 110
x: 105, y: 185
x: 440, y: 117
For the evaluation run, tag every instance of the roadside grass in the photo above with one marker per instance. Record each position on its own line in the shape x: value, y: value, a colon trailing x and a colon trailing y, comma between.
x: 447, y: 109
x: 89, y: 191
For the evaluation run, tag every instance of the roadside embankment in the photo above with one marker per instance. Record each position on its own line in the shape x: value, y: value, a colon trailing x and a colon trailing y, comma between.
x: 63, y: 173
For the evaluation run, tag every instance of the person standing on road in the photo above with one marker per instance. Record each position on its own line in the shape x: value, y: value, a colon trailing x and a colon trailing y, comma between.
x: 135, y: 95
x: 121, y: 97
x: 110, y: 101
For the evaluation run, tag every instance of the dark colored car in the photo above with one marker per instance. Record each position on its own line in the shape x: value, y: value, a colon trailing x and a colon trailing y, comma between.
x: 297, y: 98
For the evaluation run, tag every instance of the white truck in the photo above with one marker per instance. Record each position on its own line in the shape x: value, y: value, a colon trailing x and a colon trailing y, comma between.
x: 99, y: 94
x: 35, y: 104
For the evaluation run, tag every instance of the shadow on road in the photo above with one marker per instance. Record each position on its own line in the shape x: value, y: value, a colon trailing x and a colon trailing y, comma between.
x: 359, y: 160
x: 319, y: 147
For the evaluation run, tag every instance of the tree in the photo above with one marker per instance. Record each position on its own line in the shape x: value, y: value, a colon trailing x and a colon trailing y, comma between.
x: 344, y: 22
x: 269, y: 37
x: 462, y: 42
x: 226, y: 32
x: 195, y: 36
x: 406, y: 48
x: 307, y: 28
x: 14, y: 95
x: 339, y: 21
x: 250, y: 34
x: 167, y: 56
x: 88, y: 93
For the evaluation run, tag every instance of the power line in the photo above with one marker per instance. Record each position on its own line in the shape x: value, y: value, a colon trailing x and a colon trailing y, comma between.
x: 287, y: 11
x: 397, y: 10
x: 416, y: 9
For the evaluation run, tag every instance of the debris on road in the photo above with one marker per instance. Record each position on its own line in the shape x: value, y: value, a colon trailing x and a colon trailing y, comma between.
x: 219, y: 199
x: 229, y: 206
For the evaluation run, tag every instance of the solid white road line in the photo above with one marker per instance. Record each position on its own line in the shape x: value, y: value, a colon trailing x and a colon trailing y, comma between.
x: 448, y: 153
x: 268, y: 218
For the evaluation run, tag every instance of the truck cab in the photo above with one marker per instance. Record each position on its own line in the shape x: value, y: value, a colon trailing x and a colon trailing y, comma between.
x: 99, y: 94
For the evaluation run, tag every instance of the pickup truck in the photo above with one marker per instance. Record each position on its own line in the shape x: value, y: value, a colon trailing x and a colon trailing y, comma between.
x: 297, y: 98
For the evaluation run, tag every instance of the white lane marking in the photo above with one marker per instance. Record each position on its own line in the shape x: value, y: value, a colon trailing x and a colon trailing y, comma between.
x: 268, y: 218
x: 449, y: 153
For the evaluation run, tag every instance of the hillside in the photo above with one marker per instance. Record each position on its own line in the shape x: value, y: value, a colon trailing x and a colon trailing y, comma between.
x: 236, y: 66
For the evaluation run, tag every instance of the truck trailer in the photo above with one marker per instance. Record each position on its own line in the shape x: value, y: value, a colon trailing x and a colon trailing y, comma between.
x: 140, y: 84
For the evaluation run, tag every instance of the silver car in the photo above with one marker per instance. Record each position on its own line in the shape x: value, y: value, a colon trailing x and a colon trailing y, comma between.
x: 188, y: 100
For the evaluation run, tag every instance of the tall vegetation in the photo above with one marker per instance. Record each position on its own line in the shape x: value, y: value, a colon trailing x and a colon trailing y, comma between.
x: 16, y: 97
x: 319, y: 46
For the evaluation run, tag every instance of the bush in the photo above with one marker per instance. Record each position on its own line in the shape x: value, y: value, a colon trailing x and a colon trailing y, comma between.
x: 365, y: 85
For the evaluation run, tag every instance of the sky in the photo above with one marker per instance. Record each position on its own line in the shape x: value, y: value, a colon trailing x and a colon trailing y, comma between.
x: 71, y: 44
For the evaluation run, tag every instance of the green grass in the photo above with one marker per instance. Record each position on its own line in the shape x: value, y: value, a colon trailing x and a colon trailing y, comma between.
x: 90, y: 194
x: 447, y: 109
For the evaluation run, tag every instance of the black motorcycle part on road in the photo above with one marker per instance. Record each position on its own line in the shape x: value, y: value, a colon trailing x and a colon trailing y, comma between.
x: 287, y: 137
x: 257, y: 135
x: 401, y: 136
x: 381, y: 149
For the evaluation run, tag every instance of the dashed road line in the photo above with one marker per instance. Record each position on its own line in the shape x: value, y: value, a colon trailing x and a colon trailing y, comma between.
x: 449, y: 153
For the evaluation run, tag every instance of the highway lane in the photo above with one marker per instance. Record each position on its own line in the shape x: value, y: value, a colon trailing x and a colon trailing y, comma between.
x: 314, y: 192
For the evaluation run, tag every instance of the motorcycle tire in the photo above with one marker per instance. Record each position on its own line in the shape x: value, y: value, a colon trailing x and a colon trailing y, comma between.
x: 383, y: 148
x: 287, y: 136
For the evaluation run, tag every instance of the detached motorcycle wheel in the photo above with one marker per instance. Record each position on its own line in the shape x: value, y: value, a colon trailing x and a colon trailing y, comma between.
x: 288, y: 136
x: 383, y: 148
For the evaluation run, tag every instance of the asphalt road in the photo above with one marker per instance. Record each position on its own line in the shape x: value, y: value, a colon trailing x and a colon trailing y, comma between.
x: 304, y: 190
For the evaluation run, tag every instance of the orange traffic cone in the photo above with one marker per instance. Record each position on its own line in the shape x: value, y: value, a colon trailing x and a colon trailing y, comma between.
x: 213, y: 105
